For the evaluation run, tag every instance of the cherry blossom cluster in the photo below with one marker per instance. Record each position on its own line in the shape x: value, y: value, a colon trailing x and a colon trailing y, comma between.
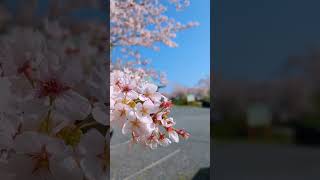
x: 54, y: 105
x: 140, y: 111
x: 142, y: 66
x: 144, y: 23
x: 136, y: 105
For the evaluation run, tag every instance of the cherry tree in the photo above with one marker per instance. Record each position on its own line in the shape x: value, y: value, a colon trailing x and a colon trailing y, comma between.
x: 201, y: 90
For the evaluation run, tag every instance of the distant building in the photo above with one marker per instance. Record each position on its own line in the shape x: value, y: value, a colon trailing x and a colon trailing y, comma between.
x: 259, y: 115
x: 190, y: 98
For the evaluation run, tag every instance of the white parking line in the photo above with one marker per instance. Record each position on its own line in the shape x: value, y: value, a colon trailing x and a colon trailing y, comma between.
x: 153, y: 164
x: 117, y: 145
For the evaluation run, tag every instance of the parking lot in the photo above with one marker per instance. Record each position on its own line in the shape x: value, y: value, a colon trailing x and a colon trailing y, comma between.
x: 177, y: 162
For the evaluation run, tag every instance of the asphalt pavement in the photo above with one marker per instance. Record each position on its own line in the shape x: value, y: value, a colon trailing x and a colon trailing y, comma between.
x: 179, y: 161
x: 243, y: 161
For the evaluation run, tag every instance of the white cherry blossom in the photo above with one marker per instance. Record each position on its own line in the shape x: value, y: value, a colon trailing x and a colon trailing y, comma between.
x: 40, y: 157
x: 95, y: 162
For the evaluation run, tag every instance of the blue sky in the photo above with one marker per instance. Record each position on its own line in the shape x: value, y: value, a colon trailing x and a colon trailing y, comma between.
x: 190, y: 61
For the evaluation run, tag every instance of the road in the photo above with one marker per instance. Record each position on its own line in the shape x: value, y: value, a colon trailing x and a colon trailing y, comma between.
x: 241, y: 161
x: 177, y: 162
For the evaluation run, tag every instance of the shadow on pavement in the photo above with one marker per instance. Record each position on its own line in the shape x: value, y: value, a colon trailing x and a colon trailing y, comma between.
x: 203, y: 173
